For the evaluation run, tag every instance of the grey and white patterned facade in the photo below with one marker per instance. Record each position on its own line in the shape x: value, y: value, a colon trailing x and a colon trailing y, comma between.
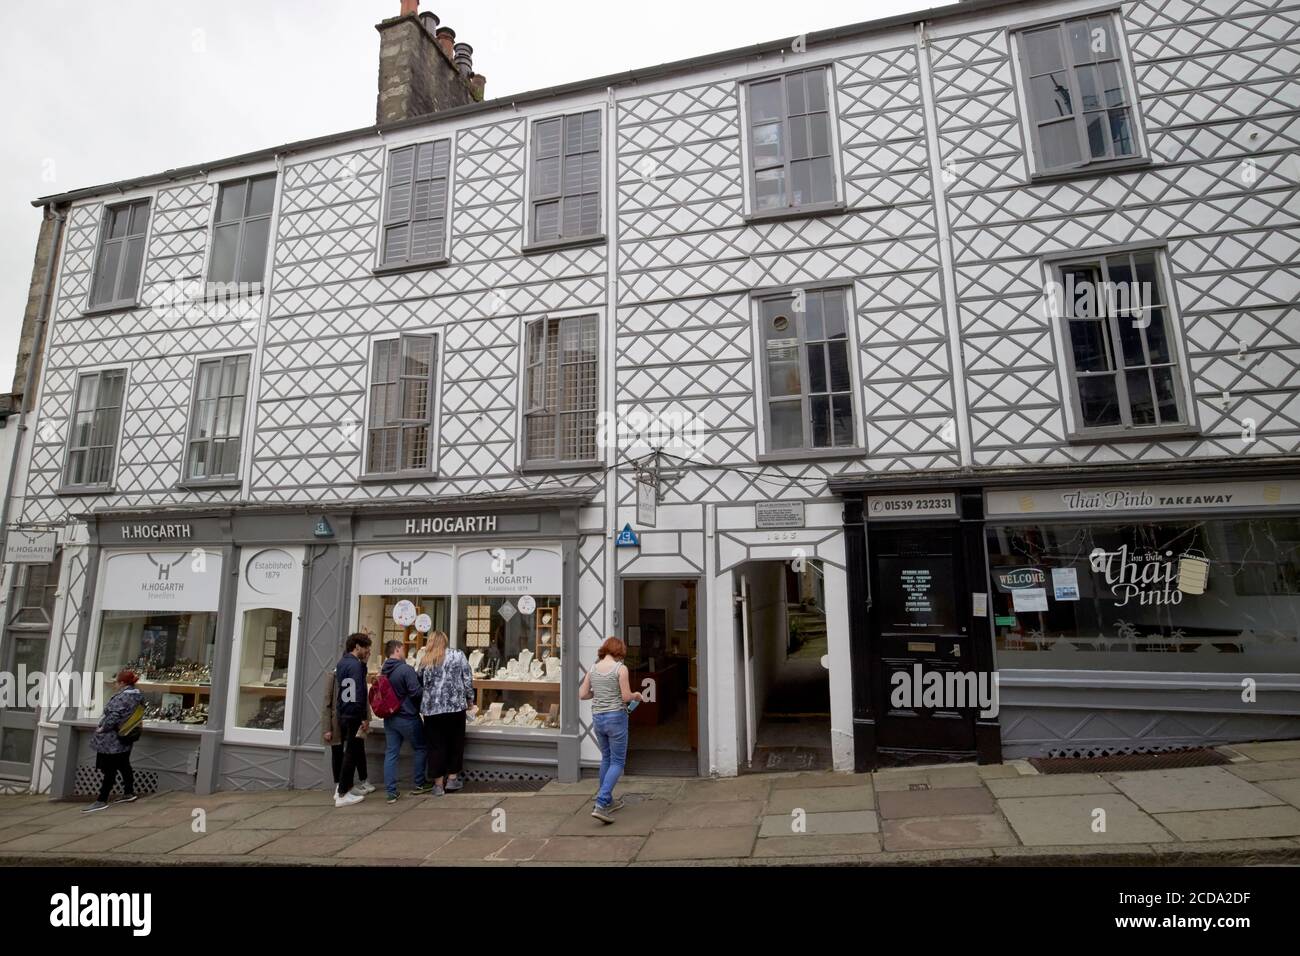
x: 941, y: 241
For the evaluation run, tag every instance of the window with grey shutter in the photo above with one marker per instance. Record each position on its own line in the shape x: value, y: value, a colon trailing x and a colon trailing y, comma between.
x: 217, y: 420
x: 790, y: 141
x: 1118, y: 332
x: 92, y: 433
x: 564, y: 184
x: 398, y: 431
x: 415, y: 204
x: 1080, y: 99
x: 120, y: 258
x: 242, y: 231
x: 807, y: 372
x: 562, y: 378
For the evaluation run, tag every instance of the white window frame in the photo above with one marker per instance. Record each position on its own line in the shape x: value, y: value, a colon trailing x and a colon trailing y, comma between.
x: 521, y: 405
x: 435, y: 408
x: 92, y: 307
x: 601, y: 108
x: 1076, y: 432
x: 111, y: 483
x: 380, y: 267
x: 762, y: 424
x: 751, y: 210
x: 1028, y: 123
x: 235, y: 480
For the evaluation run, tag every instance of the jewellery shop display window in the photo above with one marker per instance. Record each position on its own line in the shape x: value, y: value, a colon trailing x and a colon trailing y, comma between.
x: 509, y: 625
x: 387, y: 578
x: 159, y: 618
x: 1221, y: 595
x: 266, y: 629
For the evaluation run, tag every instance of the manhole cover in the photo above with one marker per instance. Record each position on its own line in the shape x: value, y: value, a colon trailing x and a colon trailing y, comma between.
x: 1168, y: 760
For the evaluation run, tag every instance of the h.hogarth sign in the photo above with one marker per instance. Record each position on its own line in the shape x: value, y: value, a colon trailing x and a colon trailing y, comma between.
x: 452, y: 524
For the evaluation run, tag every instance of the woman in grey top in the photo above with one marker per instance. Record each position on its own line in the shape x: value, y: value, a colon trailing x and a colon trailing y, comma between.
x: 607, y: 687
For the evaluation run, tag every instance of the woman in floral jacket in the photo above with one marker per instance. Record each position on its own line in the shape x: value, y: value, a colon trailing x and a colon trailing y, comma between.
x: 448, y: 691
x: 112, y: 752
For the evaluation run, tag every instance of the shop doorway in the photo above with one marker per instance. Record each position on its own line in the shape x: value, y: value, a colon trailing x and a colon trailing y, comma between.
x: 781, y: 636
x: 919, y: 625
x: 661, y: 622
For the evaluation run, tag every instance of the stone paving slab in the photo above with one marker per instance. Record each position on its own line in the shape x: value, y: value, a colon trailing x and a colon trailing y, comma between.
x: 102, y: 842
x: 587, y: 787
x: 1270, y: 750
x: 754, y: 787
x: 1233, y: 824
x: 935, y: 803
x: 461, y: 847
x: 294, y: 846
x: 1048, y: 785
x: 398, y: 844
x: 936, y: 833
x: 518, y: 825
x: 847, y: 821
x: 425, y: 818
x: 229, y: 842
x: 1266, y: 770
x: 342, y: 824
x: 712, y: 814
x: 281, y: 818
x: 822, y: 799
x: 1068, y: 821
x: 576, y: 849
x: 698, y: 844
x: 40, y: 841
x: 570, y: 803
x: 816, y: 844
x: 1288, y: 790
x: 819, y: 780
x: 1190, y: 788
x: 937, y: 778
x: 635, y: 819
x: 519, y: 849
x: 170, y: 838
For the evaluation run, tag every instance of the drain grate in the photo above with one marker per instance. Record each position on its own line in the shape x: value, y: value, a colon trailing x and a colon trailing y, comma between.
x: 1113, y: 763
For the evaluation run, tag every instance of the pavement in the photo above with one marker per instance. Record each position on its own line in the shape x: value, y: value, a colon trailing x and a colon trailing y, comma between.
x: 1243, y: 812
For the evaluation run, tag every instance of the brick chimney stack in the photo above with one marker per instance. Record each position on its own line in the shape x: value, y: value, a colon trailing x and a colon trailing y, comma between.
x: 422, y: 69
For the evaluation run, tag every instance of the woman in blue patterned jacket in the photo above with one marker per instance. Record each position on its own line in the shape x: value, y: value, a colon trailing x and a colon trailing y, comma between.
x: 448, y: 685
x: 112, y: 752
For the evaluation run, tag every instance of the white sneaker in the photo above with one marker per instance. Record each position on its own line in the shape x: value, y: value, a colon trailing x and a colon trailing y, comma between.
x: 348, y: 800
x: 365, y: 787
x: 357, y: 792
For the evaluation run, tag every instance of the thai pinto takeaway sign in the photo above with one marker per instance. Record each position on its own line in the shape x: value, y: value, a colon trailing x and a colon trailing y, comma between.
x: 1151, y: 576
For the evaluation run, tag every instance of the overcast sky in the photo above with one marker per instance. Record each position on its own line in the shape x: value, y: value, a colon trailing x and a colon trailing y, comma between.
x: 95, y: 92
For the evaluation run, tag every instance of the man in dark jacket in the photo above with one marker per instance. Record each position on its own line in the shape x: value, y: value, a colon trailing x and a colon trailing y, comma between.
x: 405, y: 724
x: 351, y: 707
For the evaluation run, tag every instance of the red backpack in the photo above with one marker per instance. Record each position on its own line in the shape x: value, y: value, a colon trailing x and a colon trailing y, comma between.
x: 383, y: 699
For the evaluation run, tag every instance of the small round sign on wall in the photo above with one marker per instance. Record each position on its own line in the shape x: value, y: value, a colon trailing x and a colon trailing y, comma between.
x: 526, y: 604
x: 404, y: 613
x: 424, y: 624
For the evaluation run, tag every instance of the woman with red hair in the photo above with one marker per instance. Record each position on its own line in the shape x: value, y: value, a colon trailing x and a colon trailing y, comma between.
x: 113, y: 747
x: 606, y: 686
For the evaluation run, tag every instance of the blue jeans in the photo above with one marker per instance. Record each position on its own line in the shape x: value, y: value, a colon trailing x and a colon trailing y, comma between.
x: 401, y: 727
x: 611, y: 736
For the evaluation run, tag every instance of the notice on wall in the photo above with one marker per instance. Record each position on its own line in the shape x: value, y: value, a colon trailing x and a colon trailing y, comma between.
x: 917, y: 583
x: 979, y: 603
x: 1029, y: 599
x: 1065, y: 584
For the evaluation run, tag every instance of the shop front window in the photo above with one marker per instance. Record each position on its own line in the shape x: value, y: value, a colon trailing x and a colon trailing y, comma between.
x: 513, y: 647
x: 1216, y: 596
x: 388, y: 578
x: 262, y: 680
x: 159, y: 618
x: 264, y: 669
x: 170, y: 653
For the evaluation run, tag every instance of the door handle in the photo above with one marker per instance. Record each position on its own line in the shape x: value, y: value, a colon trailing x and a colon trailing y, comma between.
x: 956, y: 650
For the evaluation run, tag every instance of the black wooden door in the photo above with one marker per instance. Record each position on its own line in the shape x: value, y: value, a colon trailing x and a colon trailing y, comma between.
x: 920, y: 618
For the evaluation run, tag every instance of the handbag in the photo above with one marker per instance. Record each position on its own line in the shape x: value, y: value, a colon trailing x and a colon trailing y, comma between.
x: 130, y: 729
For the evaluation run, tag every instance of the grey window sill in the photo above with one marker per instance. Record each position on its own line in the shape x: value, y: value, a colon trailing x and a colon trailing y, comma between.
x: 399, y: 268
x: 796, y: 212
x: 551, y: 245
x: 110, y: 308
x: 72, y: 491
x: 210, y: 294
x: 1107, y: 436
x: 547, y: 466
x: 1093, y: 170
x: 199, y: 484
x: 807, y: 454
x: 382, y: 479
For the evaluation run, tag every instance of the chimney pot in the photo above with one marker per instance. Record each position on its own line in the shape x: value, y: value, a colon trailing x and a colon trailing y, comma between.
x: 464, y: 59
x: 430, y: 21
x: 476, y: 84
x: 410, y: 7
x: 446, y: 37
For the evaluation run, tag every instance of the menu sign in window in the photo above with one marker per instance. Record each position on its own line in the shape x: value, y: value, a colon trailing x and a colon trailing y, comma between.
x: 916, y: 594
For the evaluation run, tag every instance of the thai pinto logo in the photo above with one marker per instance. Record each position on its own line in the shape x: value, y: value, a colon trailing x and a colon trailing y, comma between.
x: 1151, y: 577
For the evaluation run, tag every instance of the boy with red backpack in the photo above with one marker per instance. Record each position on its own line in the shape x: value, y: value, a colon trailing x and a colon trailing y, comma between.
x: 396, y: 698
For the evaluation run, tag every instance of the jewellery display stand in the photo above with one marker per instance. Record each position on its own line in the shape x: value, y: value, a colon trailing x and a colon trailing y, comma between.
x: 548, y: 632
